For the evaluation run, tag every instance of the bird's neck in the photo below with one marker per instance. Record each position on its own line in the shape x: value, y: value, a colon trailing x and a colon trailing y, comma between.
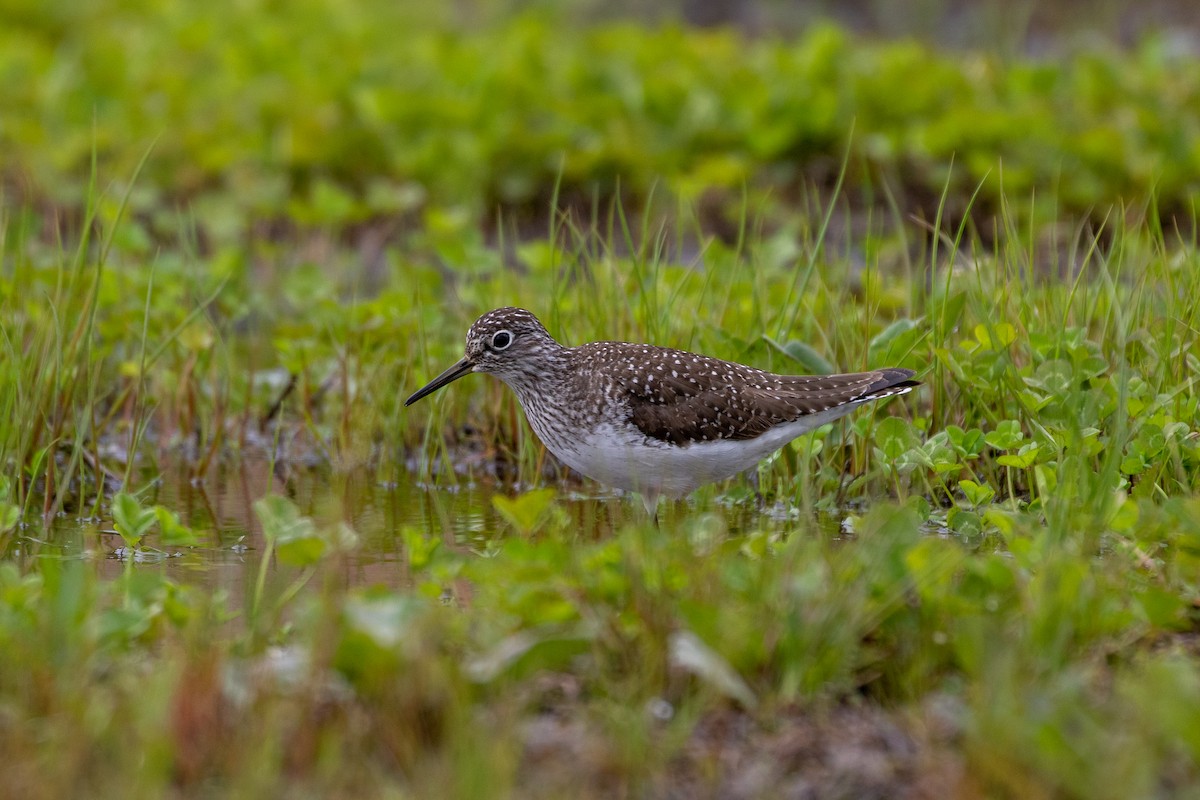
x: 547, y: 375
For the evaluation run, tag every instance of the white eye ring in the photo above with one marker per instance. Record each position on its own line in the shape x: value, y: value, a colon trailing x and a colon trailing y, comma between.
x: 501, y: 340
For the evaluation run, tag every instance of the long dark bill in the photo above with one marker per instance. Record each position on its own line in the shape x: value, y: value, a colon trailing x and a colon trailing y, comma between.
x: 449, y: 376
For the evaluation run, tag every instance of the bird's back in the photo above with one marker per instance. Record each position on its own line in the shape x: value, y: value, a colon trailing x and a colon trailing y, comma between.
x: 680, y: 398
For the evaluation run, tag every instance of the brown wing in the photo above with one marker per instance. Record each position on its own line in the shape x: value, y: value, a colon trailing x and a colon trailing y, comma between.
x: 690, y: 398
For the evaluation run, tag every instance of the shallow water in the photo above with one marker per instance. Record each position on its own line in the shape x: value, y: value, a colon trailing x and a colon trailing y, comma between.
x: 378, y: 504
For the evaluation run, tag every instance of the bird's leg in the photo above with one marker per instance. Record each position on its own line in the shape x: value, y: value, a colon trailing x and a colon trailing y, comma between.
x: 751, y: 475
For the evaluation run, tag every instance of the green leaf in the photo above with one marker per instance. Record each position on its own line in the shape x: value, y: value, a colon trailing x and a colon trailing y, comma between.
x: 1151, y: 441
x: 1046, y: 479
x: 376, y: 625
x: 1162, y: 608
x: 944, y: 458
x: 1125, y: 516
x: 811, y: 362
x: 525, y: 652
x: 913, y: 458
x: 995, y: 337
x: 976, y: 494
x: 1056, y: 377
x: 1000, y: 520
x: 527, y: 511
x: 689, y: 653
x: 1007, y: 436
x: 1133, y: 465
x: 419, y: 545
x: 173, y: 532
x: 131, y: 519
x: 124, y: 624
x: 10, y: 515
x: 947, y: 310
x: 293, y: 535
x: 301, y: 551
x: 385, y: 619
x: 973, y: 442
x: 964, y: 522
x: 1024, y: 457
x: 895, y: 437
x: 895, y: 341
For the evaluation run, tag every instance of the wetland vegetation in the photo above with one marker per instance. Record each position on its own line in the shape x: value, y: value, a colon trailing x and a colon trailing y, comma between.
x: 234, y: 237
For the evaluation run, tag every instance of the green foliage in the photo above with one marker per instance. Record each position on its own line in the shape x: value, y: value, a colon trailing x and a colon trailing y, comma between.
x: 1018, y: 540
x: 527, y: 512
x: 133, y: 521
x: 10, y: 512
x: 292, y: 536
x: 402, y: 116
x: 653, y: 616
x: 299, y: 543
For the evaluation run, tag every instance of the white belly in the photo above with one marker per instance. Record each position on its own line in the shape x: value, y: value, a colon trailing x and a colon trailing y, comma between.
x: 621, y: 456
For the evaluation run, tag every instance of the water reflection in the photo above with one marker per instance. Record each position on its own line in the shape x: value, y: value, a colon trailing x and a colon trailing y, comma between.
x: 378, y: 504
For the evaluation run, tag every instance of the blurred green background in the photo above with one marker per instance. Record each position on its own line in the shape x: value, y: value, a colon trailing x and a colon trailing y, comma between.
x: 349, y: 116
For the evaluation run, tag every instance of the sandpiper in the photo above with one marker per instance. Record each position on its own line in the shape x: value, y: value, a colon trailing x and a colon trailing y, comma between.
x: 654, y: 420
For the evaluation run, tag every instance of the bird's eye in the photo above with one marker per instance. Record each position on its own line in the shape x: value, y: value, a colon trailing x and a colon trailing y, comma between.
x: 501, y: 340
